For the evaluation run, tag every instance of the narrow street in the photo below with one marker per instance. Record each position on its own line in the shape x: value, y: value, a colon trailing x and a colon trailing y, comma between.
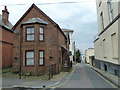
x: 85, y: 77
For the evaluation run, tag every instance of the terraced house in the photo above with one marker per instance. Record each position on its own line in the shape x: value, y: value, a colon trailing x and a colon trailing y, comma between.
x: 39, y: 44
x: 107, y: 44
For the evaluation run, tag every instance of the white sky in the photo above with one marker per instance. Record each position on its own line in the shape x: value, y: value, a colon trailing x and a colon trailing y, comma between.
x: 81, y: 17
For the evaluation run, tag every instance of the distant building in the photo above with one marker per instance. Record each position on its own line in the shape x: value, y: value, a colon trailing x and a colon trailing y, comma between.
x: 6, y: 40
x: 83, y: 58
x: 69, y: 33
x: 107, y: 43
x: 89, y: 55
x: 40, y: 44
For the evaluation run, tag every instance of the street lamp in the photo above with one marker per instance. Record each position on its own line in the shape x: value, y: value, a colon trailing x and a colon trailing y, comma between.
x: 20, y: 49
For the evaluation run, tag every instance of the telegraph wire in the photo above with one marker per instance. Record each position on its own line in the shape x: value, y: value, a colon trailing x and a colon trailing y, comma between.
x: 49, y: 3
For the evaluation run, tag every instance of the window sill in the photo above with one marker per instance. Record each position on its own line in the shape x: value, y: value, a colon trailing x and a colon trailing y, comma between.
x: 41, y: 65
x: 30, y: 41
x: 115, y: 58
x: 41, y: 40
x: 29, y: 65
x: 105, y: 57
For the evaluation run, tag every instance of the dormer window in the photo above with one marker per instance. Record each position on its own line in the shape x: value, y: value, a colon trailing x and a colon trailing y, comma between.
x: 30, y: 33
x: 41, y: 34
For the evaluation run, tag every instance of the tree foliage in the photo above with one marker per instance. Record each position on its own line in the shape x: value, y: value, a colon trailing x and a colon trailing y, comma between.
x: 78, y: 56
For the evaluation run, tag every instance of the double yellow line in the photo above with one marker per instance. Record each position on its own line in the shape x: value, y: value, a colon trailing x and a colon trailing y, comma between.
x: 65, y: 80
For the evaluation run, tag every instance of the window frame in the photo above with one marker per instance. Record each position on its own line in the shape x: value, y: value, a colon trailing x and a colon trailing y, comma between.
x: 29, y: 58
x: 100, y: 2
x: 30, y: 34
x: 114, y: 50
x: 42, y: 58
x: 104, y: 48
x: 41, y: 34
x: 102, y: 21
x: 110, y: 10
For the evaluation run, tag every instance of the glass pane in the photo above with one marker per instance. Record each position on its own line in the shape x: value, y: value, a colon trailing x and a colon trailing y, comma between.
x: 41, y: 53
x: 30, y: 54
x: 41, y: 37
x: 30, y: 62
x: 41, y: 30
x: 30, y: 30
x: 30, y: 37
x: 41, y: 61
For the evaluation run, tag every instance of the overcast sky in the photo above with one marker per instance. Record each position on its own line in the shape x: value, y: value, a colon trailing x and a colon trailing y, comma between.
x: 80, y: 17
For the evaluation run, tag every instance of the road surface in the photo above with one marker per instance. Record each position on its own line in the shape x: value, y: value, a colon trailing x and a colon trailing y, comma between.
x: 84, y: 77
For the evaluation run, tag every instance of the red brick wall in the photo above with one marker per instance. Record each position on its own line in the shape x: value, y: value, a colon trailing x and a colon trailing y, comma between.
x: 6, y: 48
x: 7, y: 36
x: 6, y: 55
x: 0, y: 54
x: 50, y: 45
x: 61, y: 41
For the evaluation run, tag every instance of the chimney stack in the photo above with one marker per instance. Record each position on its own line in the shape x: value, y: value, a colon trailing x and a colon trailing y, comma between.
x: 5, y: 16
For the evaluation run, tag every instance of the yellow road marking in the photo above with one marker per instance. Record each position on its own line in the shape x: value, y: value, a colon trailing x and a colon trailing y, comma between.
x: 65, y: 80
x: 72, y: 74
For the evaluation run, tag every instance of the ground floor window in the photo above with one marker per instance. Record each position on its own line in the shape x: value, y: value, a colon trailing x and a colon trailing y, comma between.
x: 105, y: 67
x: 41, y: 57
x: 115, y: 72
x: 29, y: 57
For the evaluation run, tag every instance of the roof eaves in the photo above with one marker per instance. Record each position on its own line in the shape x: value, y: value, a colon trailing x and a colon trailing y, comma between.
x: 6, y: 28
x: 61, y: 31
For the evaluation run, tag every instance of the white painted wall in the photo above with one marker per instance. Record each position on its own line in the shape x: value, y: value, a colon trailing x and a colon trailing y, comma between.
x: 88, y: 53
x: 106, y: 47
x: 71, y: 42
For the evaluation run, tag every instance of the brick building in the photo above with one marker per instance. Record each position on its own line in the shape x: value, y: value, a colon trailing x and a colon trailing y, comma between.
x: 6, y: 40
x: 39, y: 44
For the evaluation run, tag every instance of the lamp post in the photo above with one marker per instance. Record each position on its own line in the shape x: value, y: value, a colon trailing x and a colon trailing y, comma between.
x: 74, y: 51
x: 20, y: 49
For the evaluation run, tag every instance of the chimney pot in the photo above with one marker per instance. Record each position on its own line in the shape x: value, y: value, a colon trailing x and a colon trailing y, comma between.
x: 5, y: 16
x: 6, y: 8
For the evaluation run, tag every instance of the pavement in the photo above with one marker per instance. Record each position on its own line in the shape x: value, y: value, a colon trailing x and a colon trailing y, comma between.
x: 112, y: 78
x: 23, y: 83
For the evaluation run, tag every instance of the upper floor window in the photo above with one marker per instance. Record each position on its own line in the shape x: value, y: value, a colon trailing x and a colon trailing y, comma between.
x: 110, y: 9
x: 104, y: 48
x: 29, y: 57
x: 102, y: 20
x: 41, y: 34
x: 30, y: 33
x: 100, y: 3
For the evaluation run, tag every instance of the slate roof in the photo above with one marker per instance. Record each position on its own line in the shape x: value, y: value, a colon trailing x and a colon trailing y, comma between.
x: 67, y: 30
x: 35, y: 20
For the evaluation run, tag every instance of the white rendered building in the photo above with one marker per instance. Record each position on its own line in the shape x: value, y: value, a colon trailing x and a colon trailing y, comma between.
x: 71, y: 49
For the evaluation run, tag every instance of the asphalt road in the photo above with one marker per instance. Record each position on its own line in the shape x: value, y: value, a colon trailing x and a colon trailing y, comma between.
x: 84, y: 77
